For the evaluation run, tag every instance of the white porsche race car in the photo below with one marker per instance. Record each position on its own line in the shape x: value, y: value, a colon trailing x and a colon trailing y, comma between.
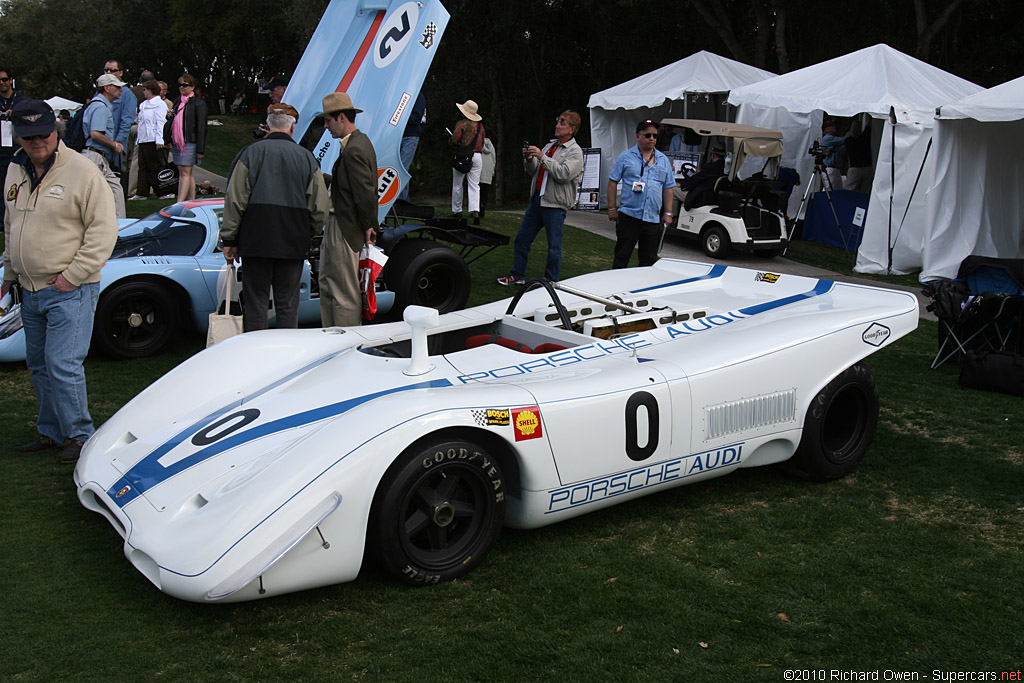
x: 411, y: 444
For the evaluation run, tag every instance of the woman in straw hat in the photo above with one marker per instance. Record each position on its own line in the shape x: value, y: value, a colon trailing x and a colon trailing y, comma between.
x: 469, y: 132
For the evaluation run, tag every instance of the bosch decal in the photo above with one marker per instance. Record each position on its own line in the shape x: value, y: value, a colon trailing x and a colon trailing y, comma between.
x: 766, y: 277
x: 876, y: 334
x: 492, y: 417
x: 527, y: 423
x: 387, y: 185
x: 642, y: 478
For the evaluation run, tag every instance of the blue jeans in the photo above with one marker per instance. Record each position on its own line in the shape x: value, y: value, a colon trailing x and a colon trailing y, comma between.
x: 58, y: 328
x: 406, y: 153
x: 535, y: 218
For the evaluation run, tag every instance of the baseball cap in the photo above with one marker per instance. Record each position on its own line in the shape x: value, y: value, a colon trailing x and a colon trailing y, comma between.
x: 282, y: 108
x: 109, y: 79
x: 32, y: 117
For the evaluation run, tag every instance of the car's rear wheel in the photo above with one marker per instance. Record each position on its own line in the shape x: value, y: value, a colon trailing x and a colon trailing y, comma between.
x: 715, y: 241
x: 134, y: 319
x: 422, y: 272
x: 839, y: 426
x: 438, y: 510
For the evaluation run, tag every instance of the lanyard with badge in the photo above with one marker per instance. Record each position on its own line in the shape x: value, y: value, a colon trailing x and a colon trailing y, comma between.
x: 639, y: 185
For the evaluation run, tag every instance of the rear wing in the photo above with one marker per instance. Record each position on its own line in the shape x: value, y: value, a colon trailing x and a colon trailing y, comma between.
x: 378, y: 51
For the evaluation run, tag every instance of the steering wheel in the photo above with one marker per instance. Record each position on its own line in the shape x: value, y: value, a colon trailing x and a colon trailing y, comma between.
x: 563, y: 314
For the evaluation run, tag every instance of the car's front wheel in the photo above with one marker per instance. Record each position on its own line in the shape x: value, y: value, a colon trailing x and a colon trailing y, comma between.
x: 134, y: 319
x: 438, y: 510
x: 839, y: 426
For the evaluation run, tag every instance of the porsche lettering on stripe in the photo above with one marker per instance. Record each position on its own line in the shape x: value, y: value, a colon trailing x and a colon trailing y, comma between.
x: 595, y: 490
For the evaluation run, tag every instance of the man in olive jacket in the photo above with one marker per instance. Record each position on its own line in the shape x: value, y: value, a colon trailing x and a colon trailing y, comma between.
x: 276, y: 201
x: 354, y: 197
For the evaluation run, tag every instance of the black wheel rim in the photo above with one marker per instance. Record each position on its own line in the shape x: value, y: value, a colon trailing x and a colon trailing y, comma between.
x: 137, y: 321
x: 445, y: 515
x: 435, y: 287
x: 845, y: 424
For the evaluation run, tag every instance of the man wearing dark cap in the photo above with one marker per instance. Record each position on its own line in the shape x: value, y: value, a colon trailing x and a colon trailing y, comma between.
x: 276, y: 201
x: 646, y: 201
x: 277, y: 86
x: 354, y: 198
x: 59, y: 230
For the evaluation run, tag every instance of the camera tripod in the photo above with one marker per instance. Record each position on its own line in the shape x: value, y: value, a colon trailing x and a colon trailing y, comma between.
x: 821, y: 176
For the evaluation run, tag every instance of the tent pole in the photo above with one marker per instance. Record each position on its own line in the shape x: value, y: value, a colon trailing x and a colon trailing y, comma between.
x: 892, y: 184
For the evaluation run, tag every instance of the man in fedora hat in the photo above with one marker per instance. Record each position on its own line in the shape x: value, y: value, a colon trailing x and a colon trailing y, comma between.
x: 353, y: 183
x: 59, y: 230
x: 276, y: 201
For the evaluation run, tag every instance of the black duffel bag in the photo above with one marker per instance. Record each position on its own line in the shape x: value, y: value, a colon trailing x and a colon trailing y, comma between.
x: 1001, y: 371
x: 462, y: 158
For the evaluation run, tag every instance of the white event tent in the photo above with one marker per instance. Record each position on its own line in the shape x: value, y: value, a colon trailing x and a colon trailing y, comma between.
x: 975, y: 204
x: 57, y: 103
x: 659, y: 94
x: 873, y: 80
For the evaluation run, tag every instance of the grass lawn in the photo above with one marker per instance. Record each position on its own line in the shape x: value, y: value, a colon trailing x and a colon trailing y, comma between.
x: 913, y: 563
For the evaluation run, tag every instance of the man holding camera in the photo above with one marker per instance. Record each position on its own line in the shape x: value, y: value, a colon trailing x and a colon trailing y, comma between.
x: 646, y: 202
x: 556, y: 171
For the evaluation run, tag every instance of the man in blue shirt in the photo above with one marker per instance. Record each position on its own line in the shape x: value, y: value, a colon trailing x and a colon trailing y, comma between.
x: 100, y: 127
x: 834, y: 161
x: 647, y: 179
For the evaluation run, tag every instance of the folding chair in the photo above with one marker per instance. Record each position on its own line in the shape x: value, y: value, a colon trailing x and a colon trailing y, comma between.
x: 981, y: 310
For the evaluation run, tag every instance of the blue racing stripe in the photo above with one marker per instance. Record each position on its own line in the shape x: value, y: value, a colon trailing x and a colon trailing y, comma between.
x: 822, y: 287
x: 148, y: 472
x: 715, y: 272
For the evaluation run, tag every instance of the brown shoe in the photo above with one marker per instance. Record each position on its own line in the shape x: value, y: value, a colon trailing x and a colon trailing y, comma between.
x: 72, y: 449
x: 41, y: 443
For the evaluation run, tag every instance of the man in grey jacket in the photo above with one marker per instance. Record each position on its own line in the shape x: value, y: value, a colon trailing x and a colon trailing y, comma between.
x: 556, y: 171
x: 276, y: 201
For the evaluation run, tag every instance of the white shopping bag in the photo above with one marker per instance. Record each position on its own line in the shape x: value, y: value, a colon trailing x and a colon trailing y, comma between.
x: 224, y: 325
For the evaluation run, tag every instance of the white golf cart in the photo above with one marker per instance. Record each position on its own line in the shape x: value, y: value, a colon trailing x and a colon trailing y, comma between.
x: 743, y: 214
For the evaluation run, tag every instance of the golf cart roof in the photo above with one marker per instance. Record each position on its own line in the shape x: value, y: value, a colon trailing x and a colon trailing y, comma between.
x: 723, y: 128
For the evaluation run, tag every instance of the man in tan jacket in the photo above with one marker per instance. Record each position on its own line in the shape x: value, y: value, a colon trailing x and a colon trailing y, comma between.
x: 59, y: 230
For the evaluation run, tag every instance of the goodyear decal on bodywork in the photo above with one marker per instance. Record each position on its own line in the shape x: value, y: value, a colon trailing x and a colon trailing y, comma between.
x: 640, y: 478
x: 150, y: 472
x: 876, y: 334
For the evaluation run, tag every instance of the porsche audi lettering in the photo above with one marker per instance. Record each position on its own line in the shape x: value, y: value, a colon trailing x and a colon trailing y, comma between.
x: 410, y: 445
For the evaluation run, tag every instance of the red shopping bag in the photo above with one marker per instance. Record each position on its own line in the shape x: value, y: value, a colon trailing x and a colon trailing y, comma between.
x: 371, y: 262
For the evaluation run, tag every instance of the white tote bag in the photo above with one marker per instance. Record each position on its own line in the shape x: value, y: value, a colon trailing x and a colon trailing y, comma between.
x: 224, y: 325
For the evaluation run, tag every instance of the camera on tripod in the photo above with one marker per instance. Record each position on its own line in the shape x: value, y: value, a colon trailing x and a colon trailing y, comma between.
x: 819, y: 153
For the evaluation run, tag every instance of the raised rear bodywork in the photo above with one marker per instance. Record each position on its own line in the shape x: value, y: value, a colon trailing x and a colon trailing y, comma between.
x: 417, y: 441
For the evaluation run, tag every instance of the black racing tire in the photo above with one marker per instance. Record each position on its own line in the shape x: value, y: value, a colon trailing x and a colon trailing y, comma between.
x: 714, y: 240
x: 422, y: 272
x: 839, y: 426
x: 438, y: 510
x: 134, y: 320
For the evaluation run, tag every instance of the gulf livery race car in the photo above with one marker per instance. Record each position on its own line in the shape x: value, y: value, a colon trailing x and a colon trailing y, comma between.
x: 409, y: 445
x: 164, y: 271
